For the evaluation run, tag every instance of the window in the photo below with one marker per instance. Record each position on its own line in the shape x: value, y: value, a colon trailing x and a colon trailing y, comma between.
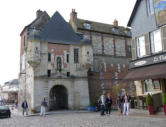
x: 36, y: 50
x: 67, y: 58
x: 24, y: 41
x: 76, y: 56
x: 116, y: 31
x: 156, y: 84
x: 59, y: 63
x: 150, y: 7
x: 68, y: 74
x: 87, y: 26
x: 128, y: 32
x: 141, y: 46
x: 49, y: 57
x: 155, y: 39
x: 48, y: 73
x: 80, y: 35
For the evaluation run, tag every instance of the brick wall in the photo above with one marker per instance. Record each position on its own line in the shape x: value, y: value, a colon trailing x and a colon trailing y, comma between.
x: 111, y: 85
x: 57, y: 50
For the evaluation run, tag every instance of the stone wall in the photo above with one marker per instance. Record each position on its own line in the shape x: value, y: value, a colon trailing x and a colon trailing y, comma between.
x: 112, y: 86
x: 97, y: 44
x: 77, y: 89
x: 109, y: 46
x: 120, y: 47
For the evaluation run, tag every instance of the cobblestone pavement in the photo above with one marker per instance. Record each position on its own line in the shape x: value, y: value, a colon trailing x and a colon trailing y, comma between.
x: 82, y: 120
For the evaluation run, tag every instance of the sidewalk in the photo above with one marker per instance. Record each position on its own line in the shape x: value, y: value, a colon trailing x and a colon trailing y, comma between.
x: 145, y: 113
x: 133, y: 112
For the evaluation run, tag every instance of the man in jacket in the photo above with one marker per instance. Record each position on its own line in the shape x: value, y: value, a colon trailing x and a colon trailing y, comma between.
x: 25, y: 107
x: 43, y: 107
x: 108, y: 104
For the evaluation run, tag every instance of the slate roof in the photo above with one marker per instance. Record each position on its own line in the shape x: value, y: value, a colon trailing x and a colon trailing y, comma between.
x: 133, y: 12
x: 101, y: 27
x: 57, y: 30
x: 12, y: 82
x: 38, y: 23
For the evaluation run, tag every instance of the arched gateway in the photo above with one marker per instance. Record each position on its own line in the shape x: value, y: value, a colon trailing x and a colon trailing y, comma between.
x: 58, y: 98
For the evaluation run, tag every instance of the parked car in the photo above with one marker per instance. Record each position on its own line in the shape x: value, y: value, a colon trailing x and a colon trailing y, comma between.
x: 5, y: 112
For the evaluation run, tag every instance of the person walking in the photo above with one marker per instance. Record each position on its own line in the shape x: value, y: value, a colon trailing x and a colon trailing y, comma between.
x: 25, y: 107
x: 126, y: 105
x: 119, y: 105
x: 108, y: 104
x: 16, y: 104
x: 43, y: 107
x: 102, y: 105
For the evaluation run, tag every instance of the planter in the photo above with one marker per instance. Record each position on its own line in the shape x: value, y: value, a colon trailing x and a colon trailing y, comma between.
x: 165, y: 109
x: 89, y: 108
x: 151, y: 110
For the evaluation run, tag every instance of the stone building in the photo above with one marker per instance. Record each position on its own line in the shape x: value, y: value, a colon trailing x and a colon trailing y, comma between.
x: 111, y: 54
x: 54, y: 64
x: 148, y: 65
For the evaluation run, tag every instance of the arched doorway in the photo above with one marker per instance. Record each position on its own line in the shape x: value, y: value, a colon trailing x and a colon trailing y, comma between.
x: 58, y: 98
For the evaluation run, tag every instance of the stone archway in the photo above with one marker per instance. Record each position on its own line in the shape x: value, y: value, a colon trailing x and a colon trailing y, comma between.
x: 58, y: 98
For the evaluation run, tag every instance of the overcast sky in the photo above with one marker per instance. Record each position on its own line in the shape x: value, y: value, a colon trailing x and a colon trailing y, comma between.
x: 15, y: 14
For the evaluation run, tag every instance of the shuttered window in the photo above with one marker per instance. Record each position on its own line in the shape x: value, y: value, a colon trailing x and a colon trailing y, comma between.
x: 141, y: 46
x: 155, y: 39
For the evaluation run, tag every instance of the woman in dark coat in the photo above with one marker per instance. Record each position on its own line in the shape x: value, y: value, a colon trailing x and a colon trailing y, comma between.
x: 108, y: 104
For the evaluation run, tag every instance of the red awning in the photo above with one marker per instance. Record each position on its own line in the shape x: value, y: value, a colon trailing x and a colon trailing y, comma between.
x: 154, y: 71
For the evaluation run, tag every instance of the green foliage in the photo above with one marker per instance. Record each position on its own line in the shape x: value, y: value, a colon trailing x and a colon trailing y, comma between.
x: 164, y: 98
x: 92, y: 104
x: 149, y: 100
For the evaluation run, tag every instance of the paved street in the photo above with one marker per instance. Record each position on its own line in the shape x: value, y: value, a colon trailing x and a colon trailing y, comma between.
x: 71, y: 119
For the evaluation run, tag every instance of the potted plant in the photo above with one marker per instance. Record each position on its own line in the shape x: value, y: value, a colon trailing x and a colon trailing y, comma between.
x: 149, y: 102
x: 164, y: 102
x: 91, y: 107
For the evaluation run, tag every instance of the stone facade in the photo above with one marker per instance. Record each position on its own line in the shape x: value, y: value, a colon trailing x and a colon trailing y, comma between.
x: 111, y: 55
x: 40, y: 74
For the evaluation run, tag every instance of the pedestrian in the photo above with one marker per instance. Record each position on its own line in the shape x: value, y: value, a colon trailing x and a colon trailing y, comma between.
x: 43, y: 107
x: 119, y: 106
x: 102, y: 105
x: 108, y: 104
x: 25, y: 107
x: 126, y: 105
x: 16, y: 104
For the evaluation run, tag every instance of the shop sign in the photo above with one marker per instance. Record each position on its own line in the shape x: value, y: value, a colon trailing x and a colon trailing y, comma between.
x: 149, y: 61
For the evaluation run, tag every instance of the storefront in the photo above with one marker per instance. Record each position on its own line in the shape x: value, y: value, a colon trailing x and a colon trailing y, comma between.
x: 149, y: 76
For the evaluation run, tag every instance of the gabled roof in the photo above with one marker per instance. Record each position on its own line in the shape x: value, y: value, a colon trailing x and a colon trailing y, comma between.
x: 101, y: 27
x: 133, y: 12
x: 38, y: 22
x: 57, y: 30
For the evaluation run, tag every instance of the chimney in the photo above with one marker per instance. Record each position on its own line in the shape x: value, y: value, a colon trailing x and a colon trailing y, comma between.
x: 115, y: 22
x: 38, y: 13
x: 73, y: 15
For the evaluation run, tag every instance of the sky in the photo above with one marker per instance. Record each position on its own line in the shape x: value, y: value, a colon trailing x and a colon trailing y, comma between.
x: 15, y: 14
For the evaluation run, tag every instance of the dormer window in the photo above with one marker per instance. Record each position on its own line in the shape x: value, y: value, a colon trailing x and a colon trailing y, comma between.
x: 128, y: 32
x: 87, y: 26
x: 116, y: 31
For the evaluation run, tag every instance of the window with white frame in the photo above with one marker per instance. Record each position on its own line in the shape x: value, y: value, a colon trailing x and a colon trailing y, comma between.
x: 87, y: 26
x: 155, y: 40
x: 141, y: 46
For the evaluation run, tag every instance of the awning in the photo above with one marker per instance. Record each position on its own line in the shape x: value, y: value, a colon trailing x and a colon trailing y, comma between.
x: 149, y: 72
